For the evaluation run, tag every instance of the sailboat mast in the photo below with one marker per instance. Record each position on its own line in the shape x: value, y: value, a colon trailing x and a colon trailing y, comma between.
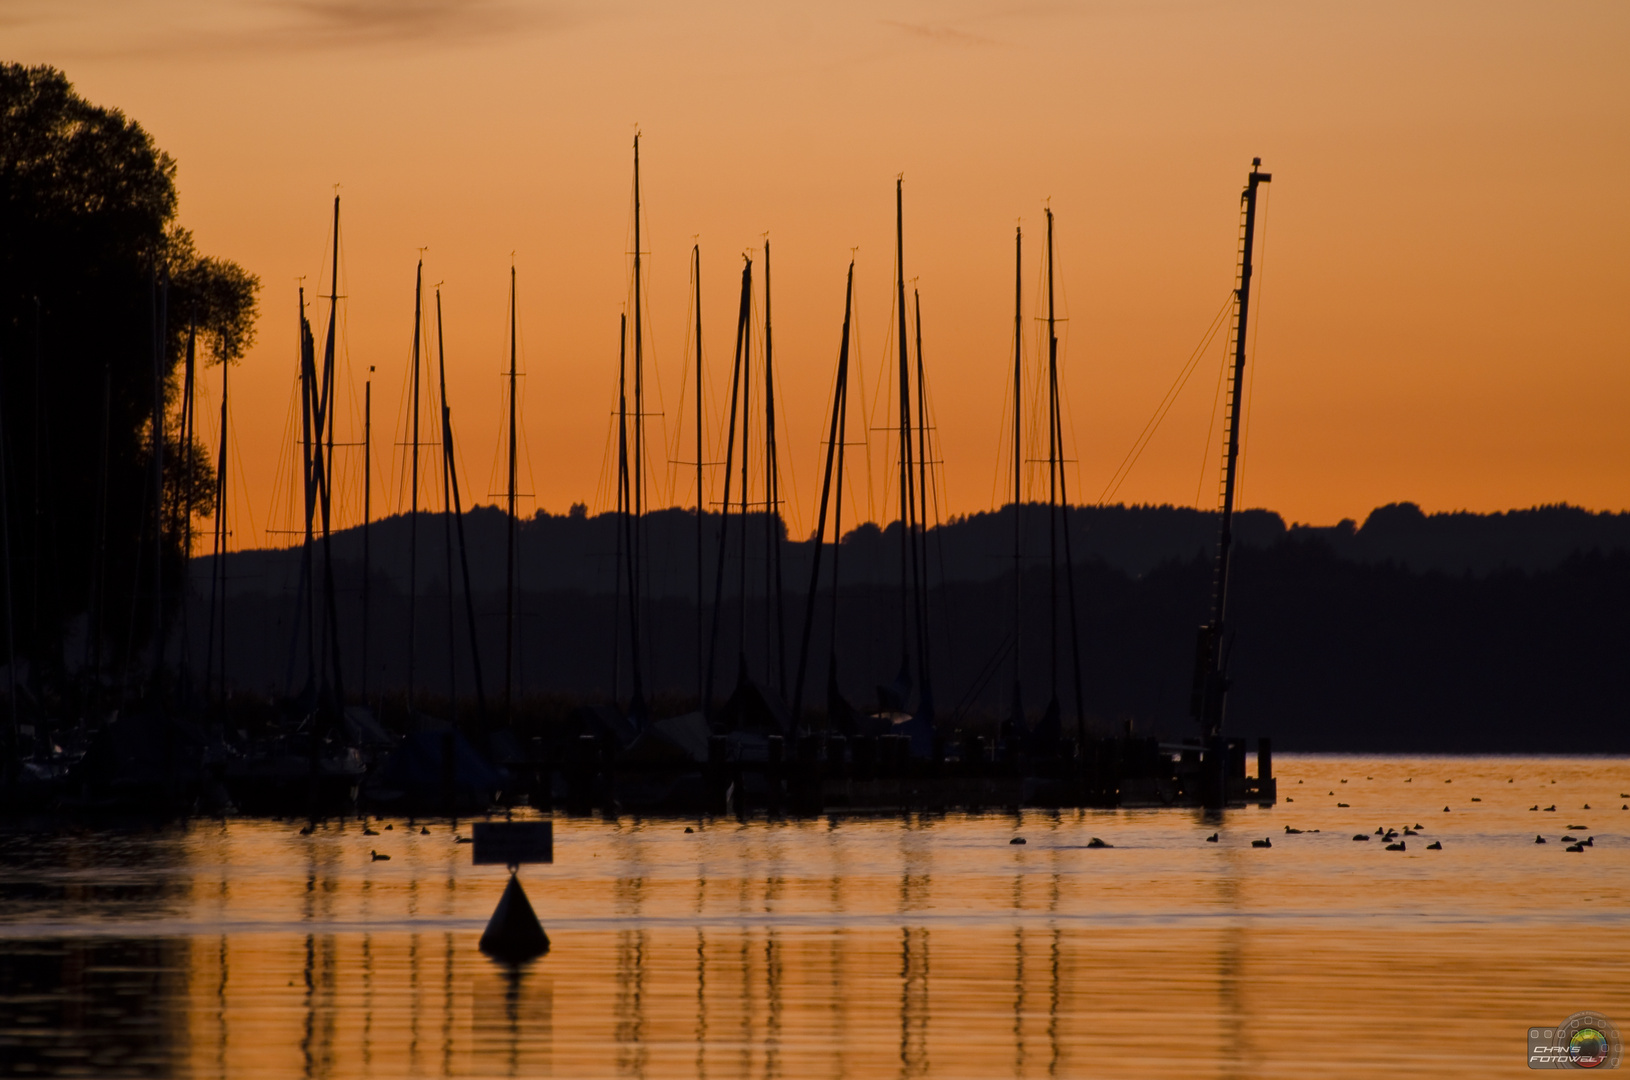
x: 1018, y: 468
x: 842, y: 407
x: 926, y: 697
x: 447, y: 515
x: 367, y: 518
x: 746, y: 461
x: 1064, y: 501
x: 185, y: 445
x: 325, y: 427
x: 622, y: 563
x: 907, y: 497
x: 310, y: 439
x: 223, y: 491
x: 218, y: 568
x: 701, y: 502
x: 743, y: 318
x: 636, y: 547
x: 215, y: 559
x: 772, y: 497
x: 413, y: 512
x: 1053, y: 464
x: 509, y: 572
x: 1211, y: 679
x: 833, y: 455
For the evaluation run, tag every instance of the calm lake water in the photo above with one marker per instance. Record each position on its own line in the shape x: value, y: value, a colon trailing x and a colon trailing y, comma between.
x: 846, y: 947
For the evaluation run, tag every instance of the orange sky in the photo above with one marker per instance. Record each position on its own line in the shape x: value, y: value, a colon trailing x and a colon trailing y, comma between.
x: 1443, y: 314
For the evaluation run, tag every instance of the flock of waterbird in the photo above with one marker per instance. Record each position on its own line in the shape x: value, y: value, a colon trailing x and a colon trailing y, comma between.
x: 1396, y: 841
x: 369, y: 830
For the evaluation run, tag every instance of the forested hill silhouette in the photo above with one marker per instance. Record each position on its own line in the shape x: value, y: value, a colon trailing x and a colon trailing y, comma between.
x: 576, y: 552
x: 1414, y: 633
x: 1460, y: 542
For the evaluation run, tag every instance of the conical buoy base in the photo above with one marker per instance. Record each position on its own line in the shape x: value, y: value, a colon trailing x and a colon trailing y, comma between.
x: 513, y: 934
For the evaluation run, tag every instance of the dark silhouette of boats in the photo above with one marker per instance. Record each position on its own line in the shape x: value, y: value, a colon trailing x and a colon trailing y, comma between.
x: 753, y: 750
x: 318, y: 751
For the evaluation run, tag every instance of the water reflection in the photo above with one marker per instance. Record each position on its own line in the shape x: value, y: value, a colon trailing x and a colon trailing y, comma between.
x: 512, y: 1022
x: 835, y: 948
x: 94, y: 1006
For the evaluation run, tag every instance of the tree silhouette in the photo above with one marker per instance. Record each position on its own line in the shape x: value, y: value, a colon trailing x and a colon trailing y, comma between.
x: 94, y: 270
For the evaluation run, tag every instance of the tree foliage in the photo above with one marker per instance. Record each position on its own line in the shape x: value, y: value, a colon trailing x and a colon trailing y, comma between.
x: 99, y: 286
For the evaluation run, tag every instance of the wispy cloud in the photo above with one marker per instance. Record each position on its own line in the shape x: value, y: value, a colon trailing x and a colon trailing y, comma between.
x: 940, y: 33
x: 115, y: 28
x: 379, y: 22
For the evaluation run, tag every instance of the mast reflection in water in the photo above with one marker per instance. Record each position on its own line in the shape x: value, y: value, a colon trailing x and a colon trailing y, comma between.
x: 899, y: 947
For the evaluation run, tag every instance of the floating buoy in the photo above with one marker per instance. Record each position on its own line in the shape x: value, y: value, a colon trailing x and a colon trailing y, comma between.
x: 513, y: 934
x: 379, y: 858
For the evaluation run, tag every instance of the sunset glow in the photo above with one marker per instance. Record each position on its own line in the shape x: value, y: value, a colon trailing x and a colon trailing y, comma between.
x: 1442, y: 315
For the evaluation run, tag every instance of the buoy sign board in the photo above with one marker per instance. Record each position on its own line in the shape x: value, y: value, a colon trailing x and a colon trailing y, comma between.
x: 512, y: 843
